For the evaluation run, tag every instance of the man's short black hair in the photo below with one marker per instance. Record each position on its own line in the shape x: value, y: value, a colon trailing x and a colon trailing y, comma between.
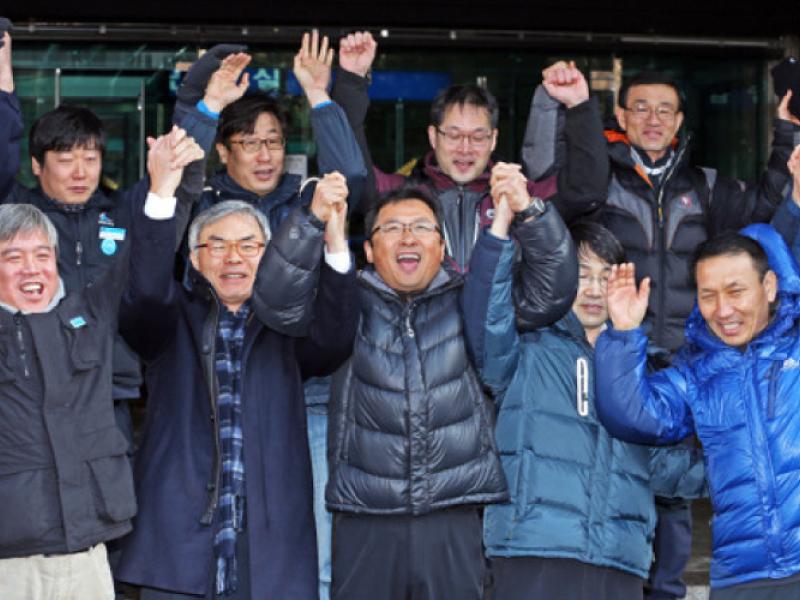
x: 599, y: 240
x: 649, y: 78
x: 65, y: 128
x: 409, y: 191
x: 731, y: 244
x: 241, y: 116
x: 468, y: 93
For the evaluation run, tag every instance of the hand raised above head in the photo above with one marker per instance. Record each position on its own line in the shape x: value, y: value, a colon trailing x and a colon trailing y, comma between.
x: 166, y: 158
x: 783, y: 109
x: 627, y: 305
x: 312, y: 66
x: 330, y: 195
x: 565, y: 83
x: 6, y: 72
x: 357, y: 52
x: 794, y: 168
x: 224, y: 87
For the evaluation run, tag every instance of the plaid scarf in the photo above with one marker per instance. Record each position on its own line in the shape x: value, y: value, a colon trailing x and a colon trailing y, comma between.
x: 228, y: 361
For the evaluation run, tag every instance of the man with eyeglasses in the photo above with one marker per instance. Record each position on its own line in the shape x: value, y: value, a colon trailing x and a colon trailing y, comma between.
x: 661, y: 207
x: 463, y: 135
x: 411, y: 444
x: 223, y: 474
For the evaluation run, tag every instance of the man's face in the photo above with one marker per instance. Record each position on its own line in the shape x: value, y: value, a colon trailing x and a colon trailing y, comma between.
x: 463, y: 142
x: 733, y: 299
x: 230, y: 271
x: 28, y: 271
x: 256, y: 171
x: 407, y: 263
x: 71, y: 176
x: 590, y: 304
x: 651, y: 117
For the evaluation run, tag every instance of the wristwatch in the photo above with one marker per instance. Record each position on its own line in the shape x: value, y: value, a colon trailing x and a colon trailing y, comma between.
x: 534, y: 210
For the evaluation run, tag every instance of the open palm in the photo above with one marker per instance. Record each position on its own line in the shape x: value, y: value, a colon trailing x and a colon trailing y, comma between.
x: 312, y: 63
x: 627, y: 305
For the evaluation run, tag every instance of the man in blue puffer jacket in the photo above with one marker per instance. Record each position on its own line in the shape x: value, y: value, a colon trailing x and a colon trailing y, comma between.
x: 580, y: 521
x: 733, y: 386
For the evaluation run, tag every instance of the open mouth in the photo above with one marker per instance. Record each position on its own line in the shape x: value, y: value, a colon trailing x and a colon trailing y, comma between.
x: 730, y: 329
x: 33, y: 291
x: 463, y: 165
x: 233, y: 276
x: 592, y: 309
x: 264, y: 174
x: 408, y: 261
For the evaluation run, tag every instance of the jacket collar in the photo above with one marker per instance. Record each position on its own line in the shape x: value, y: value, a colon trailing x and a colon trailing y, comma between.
x: 442, y: 181
x: 98, y: 200
x: 224, y: 185
x: 445, y: 279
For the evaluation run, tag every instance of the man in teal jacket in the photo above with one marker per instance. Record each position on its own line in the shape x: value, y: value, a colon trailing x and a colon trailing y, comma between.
x: 580, y: 520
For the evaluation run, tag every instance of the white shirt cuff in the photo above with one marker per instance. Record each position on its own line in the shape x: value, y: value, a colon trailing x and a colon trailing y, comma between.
x: 338, y: 261
x: 158, y: 208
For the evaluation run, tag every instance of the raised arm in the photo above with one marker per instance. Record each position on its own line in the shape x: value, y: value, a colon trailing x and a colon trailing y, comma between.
x: 488, y: 307
x: 10, y: 119
x: 632, y: 405
x: 148, y: 310
x: 337, y: 148
x: 787, y: 217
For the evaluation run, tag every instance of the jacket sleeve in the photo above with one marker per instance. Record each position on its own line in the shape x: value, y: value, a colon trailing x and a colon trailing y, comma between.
x: 735, y: 204
x: 148, y: 311
x: 547, y: 276
x: 678, y: 471
x: 632, y: 405
x: 10, y: 135
x: 333, y: 329
x: 203, y: 128
x: 488, y: 308
x: 787, y: 222
x: 288, y: 275
x: 350, y: 92
x: 543, y: 145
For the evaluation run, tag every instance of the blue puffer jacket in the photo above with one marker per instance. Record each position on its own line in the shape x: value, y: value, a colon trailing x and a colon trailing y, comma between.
x: 575, y: 492
x: 741, y: 404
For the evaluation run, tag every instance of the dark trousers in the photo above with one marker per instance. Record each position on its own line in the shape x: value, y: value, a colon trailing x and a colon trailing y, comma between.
x: 673, y: 548
x: 438, y: 556
x: 534, y: 578
x: 243, y: 574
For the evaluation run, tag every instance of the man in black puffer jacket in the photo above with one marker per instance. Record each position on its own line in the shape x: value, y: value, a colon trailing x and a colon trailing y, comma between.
x: 411, y: 447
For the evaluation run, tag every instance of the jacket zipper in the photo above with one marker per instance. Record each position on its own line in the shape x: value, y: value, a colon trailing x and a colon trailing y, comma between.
x: 23, y: 355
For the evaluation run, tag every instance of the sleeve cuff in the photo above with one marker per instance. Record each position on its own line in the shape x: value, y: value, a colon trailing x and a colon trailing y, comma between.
x: 158, y: 208
x: 338, y: 261
x: 322, y: 104
x: 203, y: 108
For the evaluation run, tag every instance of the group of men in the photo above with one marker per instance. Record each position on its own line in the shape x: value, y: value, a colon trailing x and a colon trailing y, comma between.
x: 461, y: 443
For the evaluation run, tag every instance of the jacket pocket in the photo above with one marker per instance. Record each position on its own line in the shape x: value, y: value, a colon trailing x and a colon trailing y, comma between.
x: 112, y: 488
x: 31, y: 511
x: 85, y: 342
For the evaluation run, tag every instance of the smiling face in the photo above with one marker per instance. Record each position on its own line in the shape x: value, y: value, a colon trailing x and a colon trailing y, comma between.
x: 590, y: 304
x: 260, y: 171
x: 28, y: 271
x: 651, y: 117
x: 231, y: 275
x: 407, y: 263
x: 458, y: 156
x: 69, y: 176
x: 733, y: 298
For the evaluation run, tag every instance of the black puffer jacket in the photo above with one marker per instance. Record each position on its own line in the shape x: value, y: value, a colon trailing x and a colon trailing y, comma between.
x: 410, y: 430
x: 660, y: 227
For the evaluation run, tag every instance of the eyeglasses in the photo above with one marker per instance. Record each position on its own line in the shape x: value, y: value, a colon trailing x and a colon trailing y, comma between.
x: 394, y: 230
x: 244, y: 248
x: 252, y: 145
x: 477, y: 138
x: 590, y: 280
x: 663, y: 112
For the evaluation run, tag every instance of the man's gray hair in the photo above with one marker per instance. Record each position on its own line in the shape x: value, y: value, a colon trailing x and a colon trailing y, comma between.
x: 19, y: 218
x: 219, y: 211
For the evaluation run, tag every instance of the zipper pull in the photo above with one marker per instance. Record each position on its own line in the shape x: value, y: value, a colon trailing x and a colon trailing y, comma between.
x: 582, y: 386
x: 78, y: 252
x: 409, y: 328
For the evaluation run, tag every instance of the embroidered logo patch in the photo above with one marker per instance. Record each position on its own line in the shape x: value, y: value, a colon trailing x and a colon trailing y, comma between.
x: 790, y: 364
x: 77, y: 322
x: 104, y: 219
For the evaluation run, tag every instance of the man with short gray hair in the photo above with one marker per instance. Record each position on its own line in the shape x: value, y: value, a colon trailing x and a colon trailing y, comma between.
x: 223, y: 474
x: 65, y: 479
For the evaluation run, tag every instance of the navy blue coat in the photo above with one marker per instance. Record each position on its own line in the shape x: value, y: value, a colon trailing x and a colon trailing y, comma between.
x: 742, y: 405
x: 10, y: 134
x: 177, y: 470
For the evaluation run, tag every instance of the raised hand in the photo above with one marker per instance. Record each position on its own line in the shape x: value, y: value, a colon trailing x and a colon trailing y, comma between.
x: 335, y: 235
x: 794, y: 169
x: 6, y: 72
x: 166, y: 158
x: 357, y: 52
x: 627, y: 305
x: 565, y: 83
x: 331, y: 191
x: 312, y: 67
x: 224, y: 86
x: 783, y: 109
x: 508, y: 181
